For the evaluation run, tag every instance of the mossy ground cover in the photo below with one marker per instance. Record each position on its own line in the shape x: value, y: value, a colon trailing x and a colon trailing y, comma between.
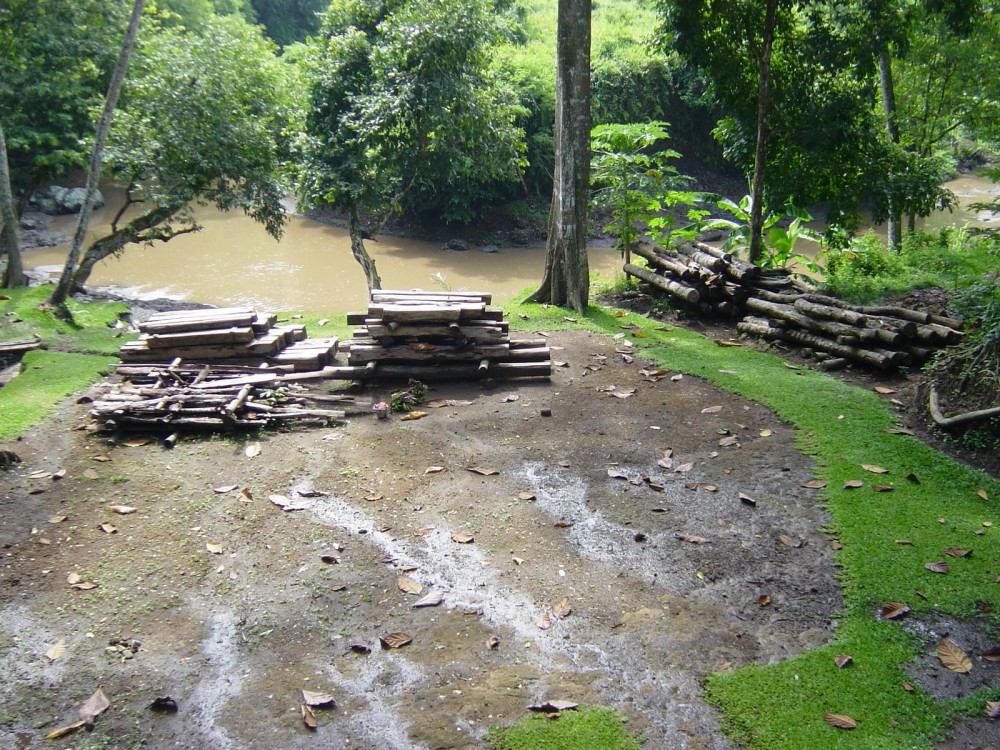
x: 934, y: 504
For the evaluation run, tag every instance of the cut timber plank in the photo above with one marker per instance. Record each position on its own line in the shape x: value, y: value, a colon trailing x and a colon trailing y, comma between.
x: 391, y: 295
x: 13, y: 347
x: 426, y: 313
x: 199, y: 338
x: 192, y: 324
x: 491, y: 333
x: 294, y: 332
x: 199, y: 313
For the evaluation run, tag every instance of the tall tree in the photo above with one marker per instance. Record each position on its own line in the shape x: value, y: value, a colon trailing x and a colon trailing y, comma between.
x: 201, y: 122
x: 58, y: 297
x: 405, y: 113
x: 566, y: 279
x: 9, y: 241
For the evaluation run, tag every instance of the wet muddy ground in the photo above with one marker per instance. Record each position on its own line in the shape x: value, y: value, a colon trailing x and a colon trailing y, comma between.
x: 626, y: 501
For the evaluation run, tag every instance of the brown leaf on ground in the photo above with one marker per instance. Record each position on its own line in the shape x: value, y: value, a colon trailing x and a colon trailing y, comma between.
x: 937, y: 567
x: 841, y: 721
x: 225, y: 489
x: 763, y: 600
x: 553, y: 706
x: 874, y: 469
x: 684, y: 468
x: 108, y: 528
x: 84, y: 585
x: 883, y: 390
x: 747, y: 500
x: 893, y: 610
x: 843, y: 660
x: 562, y: 607
x: 836, y: 544
x: 414, y: 415
x: 432, y: 599
x: 90, y: 474
x: 790, y: 541
x: 100, y: 459
x: 483, y: 471
x: 954, y: 552
x: 57, y: 650
x: 908, y: 687
x: 433, y: 470
x: 463, y: 538
x: 526, y: 496
x: 882, y: 488
x: 94, y: 706
x: 68, y: 729
x: 122, y: 510
x: 982, y: 493
x: 853, y: 484
x: 898, y: 431
x: 308, y: 716
x: 711, y: 410
x: 252, y: 450
x: 993, y: 709
x: 395, y: 640
x: 544, y: 622
x: 992, y: 654
x: 214, y: 547
x: 693, y: 539
x: 317, y: 699
x: 814, y: 484
x: 953, y: 657
x: 408, y: 585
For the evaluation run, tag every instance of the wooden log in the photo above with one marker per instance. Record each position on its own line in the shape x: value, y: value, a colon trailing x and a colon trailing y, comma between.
x: 682, y: 271
x: 361, y: 353
x: 958, y: 420
x: 256, y: 379
x: 171, y: 325
x: 685, y: 293
x: 392, y: 295
x: 19, y: 347
x: 829, y: 327
x: 882, y: 359
x: 476, y: 333
x: 828, y: 312
x: 231, y: 408
x: 718, y: 252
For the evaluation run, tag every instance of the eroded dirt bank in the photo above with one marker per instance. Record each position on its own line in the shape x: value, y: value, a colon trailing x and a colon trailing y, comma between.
x: 669, y: 574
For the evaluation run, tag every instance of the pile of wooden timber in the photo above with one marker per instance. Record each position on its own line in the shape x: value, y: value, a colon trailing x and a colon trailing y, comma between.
x: 234, y: 335
x: 780, y: 308
x: 438, y: 335
x: 179, y: 396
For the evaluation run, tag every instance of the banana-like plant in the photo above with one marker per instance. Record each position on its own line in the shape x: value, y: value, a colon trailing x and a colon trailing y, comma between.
x: 779, y: 241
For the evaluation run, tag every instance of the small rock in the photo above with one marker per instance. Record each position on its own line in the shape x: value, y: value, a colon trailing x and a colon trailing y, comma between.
x: 455, y: 246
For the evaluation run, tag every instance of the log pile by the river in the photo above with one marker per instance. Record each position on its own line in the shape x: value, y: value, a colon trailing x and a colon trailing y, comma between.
x: 440, y: 335
x: 232, y: 335
x: 178, y: 396
x: 778, y: 307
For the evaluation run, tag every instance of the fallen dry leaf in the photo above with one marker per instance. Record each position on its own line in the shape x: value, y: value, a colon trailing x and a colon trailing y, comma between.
x: 102, y: 459
x: 982, y: 493
x: 408, y: 585
x: 544, y: 621
x: 413, y: 415
x: 853, y: 484
x: 937, y: 567
x: 562, y: 607
x: 214, y: 547
x: 836, y: 544
x: 763, y: 600
x: 765, y: 432
x: 432, y: 599
x: 433, y: 470
x: 711, y: 410
x: 893, y: 610
x: 883, y: 390
x: 841, y: 721
x: 908, y: 687
x: 992, y: 654
x: 693, y: 539
x: 395, y: 640
x: 137, y: 442
x: 874, y: 469
x: 814, y: 484
x: 553, y: 706
x: 462, y: 538
x: 747, y: 500
x: 224, y: 490
x: 898, y: 431
x: 246, y: 496
x: 84, y: 585
x: 993, y: 709
x: 953, y: 657
x: 57, y: 650
x: 308, y: 716
x: 958, y: 552
x: 317, y: 699
x: 684, y: 468
x: 94, y: 706
x: 252, y: 450
x: 790, y: 541
x: 90, y: 474
x: 526, y: 496
x: 882, y: 488
x: 108, y: 528
x: 122, y: 510
x: 57, y: 519
x: 843, y: 660
x: 483, y: 471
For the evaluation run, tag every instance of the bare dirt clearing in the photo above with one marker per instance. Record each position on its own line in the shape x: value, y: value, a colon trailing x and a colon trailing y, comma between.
x: 238, y: 606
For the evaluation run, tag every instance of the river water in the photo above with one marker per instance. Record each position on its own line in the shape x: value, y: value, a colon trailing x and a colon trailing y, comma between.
x: 233, y: 261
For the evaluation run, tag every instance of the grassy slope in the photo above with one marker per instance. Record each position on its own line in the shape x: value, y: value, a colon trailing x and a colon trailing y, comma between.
x: 843, y: 427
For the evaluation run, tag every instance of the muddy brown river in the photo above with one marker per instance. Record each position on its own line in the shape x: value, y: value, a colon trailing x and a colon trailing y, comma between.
x: 233, y: 260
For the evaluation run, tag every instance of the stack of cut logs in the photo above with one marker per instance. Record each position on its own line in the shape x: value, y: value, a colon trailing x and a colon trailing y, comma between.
x: 175, y: 396
x: 439, y: 335
x: 232, y: 335
x: 780, y: 308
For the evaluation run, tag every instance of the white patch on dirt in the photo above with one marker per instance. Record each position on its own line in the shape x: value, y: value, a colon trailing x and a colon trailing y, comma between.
x: 379, y: 683
x: 221, y: 678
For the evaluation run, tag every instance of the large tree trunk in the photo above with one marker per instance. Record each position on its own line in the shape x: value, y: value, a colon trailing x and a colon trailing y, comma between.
x: 763, y: 134
x: 9, y: 241
x: 58, y: 297
x: 895, y: 221
x: 566, y: 280
x: 360, y: 253
x: 113, y: 243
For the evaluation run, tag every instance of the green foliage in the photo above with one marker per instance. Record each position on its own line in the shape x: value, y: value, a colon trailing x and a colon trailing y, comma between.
x: 289, y: 21
x: 92, y: 332
x: 779, y: 241
x: 406, y: 114
x: 634, y: 182
x: 56, y: 57
x: 200, y: 122
x: 47, y: 378
x: 414, y: 395
x: 951, y: 257
x: 587, y: 728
